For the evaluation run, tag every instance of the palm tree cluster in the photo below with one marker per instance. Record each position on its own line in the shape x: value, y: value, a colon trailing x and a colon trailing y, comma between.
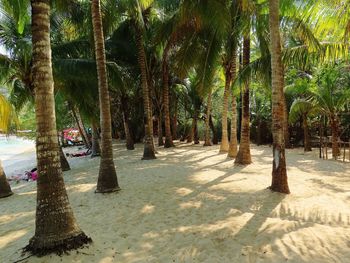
x: 250, y: 70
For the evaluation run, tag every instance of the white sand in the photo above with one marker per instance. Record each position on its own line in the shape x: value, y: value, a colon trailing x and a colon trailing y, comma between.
x: 193, y: 205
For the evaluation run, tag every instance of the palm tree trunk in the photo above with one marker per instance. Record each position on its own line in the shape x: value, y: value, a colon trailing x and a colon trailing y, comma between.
x: 148, y: 151
x: 168, y: 136
x: 224, y: 146
x: 243, y: 155
x: 64, y: 163
x: 107, y: 178
x: 307, y: 144
x: 56, y: 229
x: 5, y: 188
x: 174, y: 120
x: 80, y: 124
x: 191, y: 133
x: 213, y: 130
x: 95, y: 148
x: 207, y: 141
x: 279, y: 170
x: 160, y: 129
x: 335, y: 135
x: 232, y: 151
x: 125, y: 112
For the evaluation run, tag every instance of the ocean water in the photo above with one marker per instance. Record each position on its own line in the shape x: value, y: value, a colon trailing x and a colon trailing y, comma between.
x: 13, y: 146
x: 17, y: 155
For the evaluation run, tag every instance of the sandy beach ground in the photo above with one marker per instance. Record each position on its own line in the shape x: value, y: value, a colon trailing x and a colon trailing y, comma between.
x: 193, y: 205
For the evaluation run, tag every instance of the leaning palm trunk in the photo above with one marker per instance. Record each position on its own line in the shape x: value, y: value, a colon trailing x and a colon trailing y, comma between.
x: 168, y: 136
x: 232, y: 151
x: 95, y: 144
x: 148, y: 151
x: 279, y: 171
x: 107, y: 179
x: 207, y: 141
x: 56, y: 229
x: 307, y: 144
x: 80, y: 124
x: 224, y: 146
x: 335, y: 135
x: 5, y: 189
x: 244, y: 156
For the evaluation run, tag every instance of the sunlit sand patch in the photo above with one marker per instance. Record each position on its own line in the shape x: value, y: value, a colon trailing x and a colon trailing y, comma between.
x: 11, y: 237
x: 147, y: 209
x: 183, y: 191
x: 82, y: 187
x: 191, y: 204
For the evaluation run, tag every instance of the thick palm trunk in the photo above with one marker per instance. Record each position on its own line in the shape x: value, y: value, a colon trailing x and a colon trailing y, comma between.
x: 168, y: 136
x: 5, y: 188
x: 335, y: 135
x: 307, y: 144
x: 148, y: 151
x: 81, y: 127
x: 95, y: 148
x: 56, y: 229
x: 232, y: 151
x: 279, y: 170
x: 243, y: 155
x: 191, y: 133
x: 207, y: 141
x: 224, y: 146
x: 107, y: 178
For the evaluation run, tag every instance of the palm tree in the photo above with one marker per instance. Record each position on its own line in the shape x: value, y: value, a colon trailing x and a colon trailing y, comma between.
x: 56, y: 228
x: 302, y: 108
x: 279, y: 170
x: 207, y: 141
x: 107, y: 178
x: 243, y: 156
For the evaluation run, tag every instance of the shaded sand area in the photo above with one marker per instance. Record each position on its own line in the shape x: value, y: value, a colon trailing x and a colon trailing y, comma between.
x: 193, y: 205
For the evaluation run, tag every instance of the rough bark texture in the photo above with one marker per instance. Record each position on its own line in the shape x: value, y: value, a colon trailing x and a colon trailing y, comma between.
x: 243, y: 155
x: 5, y: 188
x: 107, y: 178
x: 95, y: 148
x: 307, y: 143
x: 224, y: 146
x: 168, y: 136
x: 279, y: 171
x: 148, y: 151
x: 191, y: 133
x: 207, y: 141
x: 56, y: 229
x: 232, y: 151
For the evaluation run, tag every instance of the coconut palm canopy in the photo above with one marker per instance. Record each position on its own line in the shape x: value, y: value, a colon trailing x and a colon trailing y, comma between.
x: 232, y: 73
